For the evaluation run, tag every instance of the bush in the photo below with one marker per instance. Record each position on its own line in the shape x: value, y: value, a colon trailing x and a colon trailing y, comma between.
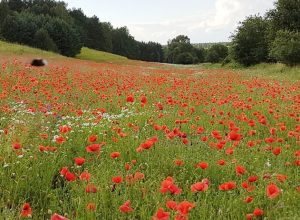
x: 286, y: 47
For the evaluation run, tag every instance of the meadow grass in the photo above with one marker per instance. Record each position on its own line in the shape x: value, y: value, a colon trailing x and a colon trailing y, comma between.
x: 93, y: 100
x: 270, y: 70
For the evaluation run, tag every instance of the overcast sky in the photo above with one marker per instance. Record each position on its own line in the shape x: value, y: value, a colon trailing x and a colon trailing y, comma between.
x: 161, y: 20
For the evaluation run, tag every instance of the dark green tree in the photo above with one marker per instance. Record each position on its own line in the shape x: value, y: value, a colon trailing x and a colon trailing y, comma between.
x: 65, y: 37
x: 249, y: 43
x: 151, y: 51
x: 201, y: 54
x: 4, y: 11
x: 20, y: 28
x: 124, y: 44
x: 285, y: 16
x: 43, y: 41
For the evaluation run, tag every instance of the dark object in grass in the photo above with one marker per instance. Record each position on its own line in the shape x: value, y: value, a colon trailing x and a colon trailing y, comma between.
x: 38, y: 62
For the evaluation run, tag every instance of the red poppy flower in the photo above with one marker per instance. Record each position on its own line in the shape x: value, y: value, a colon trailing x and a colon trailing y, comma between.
x: 171, y: 204
x: 60, y: 140
x: 92, y: 138
x: 125, y: 208
x: 16, y: 146
x: 160, y: 106
x: 277, y: 151
x: 168, y: 186
x: 26, y: 211
x: 240, y: 170
x: 70, y: 176
x: 114, y: 155
x: 79, y: 161
x: 117, y: 179
x: 91, y: 206
x: 63, y: 171
x: 179, y: 162
x: 65, y: 129
x: 221, y: 162
x: 202, y: 165
x: 258, y: 212
x: 95, y: 148
x: 58, y: 217
x: 272, y: 191
x: 199, y: 187
x: 234, y: 136
x: 161, y: 215
x: 138, y: 176
x: 91, y: 188
x: 248, y: 199
x: 227, y: 186
x: 252, y: 179
x: 143, y: 100
x: 85, y: 176
x: 130, y: 98
x: 281, y: 178
x: 184, y: 207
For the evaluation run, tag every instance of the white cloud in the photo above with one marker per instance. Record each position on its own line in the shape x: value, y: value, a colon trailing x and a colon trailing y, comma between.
x: 214, y: 25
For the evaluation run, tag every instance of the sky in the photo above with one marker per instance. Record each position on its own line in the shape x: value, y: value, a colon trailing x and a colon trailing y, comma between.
x: 202, y: 21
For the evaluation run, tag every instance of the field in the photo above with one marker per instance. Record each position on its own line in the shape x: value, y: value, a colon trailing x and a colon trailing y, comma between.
x: 136, y: 140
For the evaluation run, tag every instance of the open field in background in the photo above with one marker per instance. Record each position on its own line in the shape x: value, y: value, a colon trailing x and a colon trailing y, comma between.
x: 81, y: 139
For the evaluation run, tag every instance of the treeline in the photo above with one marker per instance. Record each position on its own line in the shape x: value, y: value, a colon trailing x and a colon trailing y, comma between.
x: 49, y: 25
x: 274, y: 37
x: 180, y: 51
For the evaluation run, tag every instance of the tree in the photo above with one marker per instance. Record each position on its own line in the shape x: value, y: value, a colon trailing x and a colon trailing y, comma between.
x: 43, y: 41
x: 181, y: 51
x: 286, y: 47
x: 249, y: 43
x: 201, y: 54
x: 124, y: 44
x: 94, y: 31
x: 20, y: 28
x: 217, y: 53
x: 286, y: 15
x: 151, y: 52
x: 4, y: 11
x: 64, y: 36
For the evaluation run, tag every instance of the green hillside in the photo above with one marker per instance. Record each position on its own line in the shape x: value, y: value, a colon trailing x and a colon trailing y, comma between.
x: 86, y: 53
x: 98, y: 56
x: 17, y: 49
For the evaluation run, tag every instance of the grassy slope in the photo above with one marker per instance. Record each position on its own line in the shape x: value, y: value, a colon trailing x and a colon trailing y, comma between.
x: 16, y: 49
x: 98, y: 56
x: 9, y: 49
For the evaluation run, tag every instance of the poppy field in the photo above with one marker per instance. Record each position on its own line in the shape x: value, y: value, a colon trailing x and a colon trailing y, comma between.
x: 136, y: 140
